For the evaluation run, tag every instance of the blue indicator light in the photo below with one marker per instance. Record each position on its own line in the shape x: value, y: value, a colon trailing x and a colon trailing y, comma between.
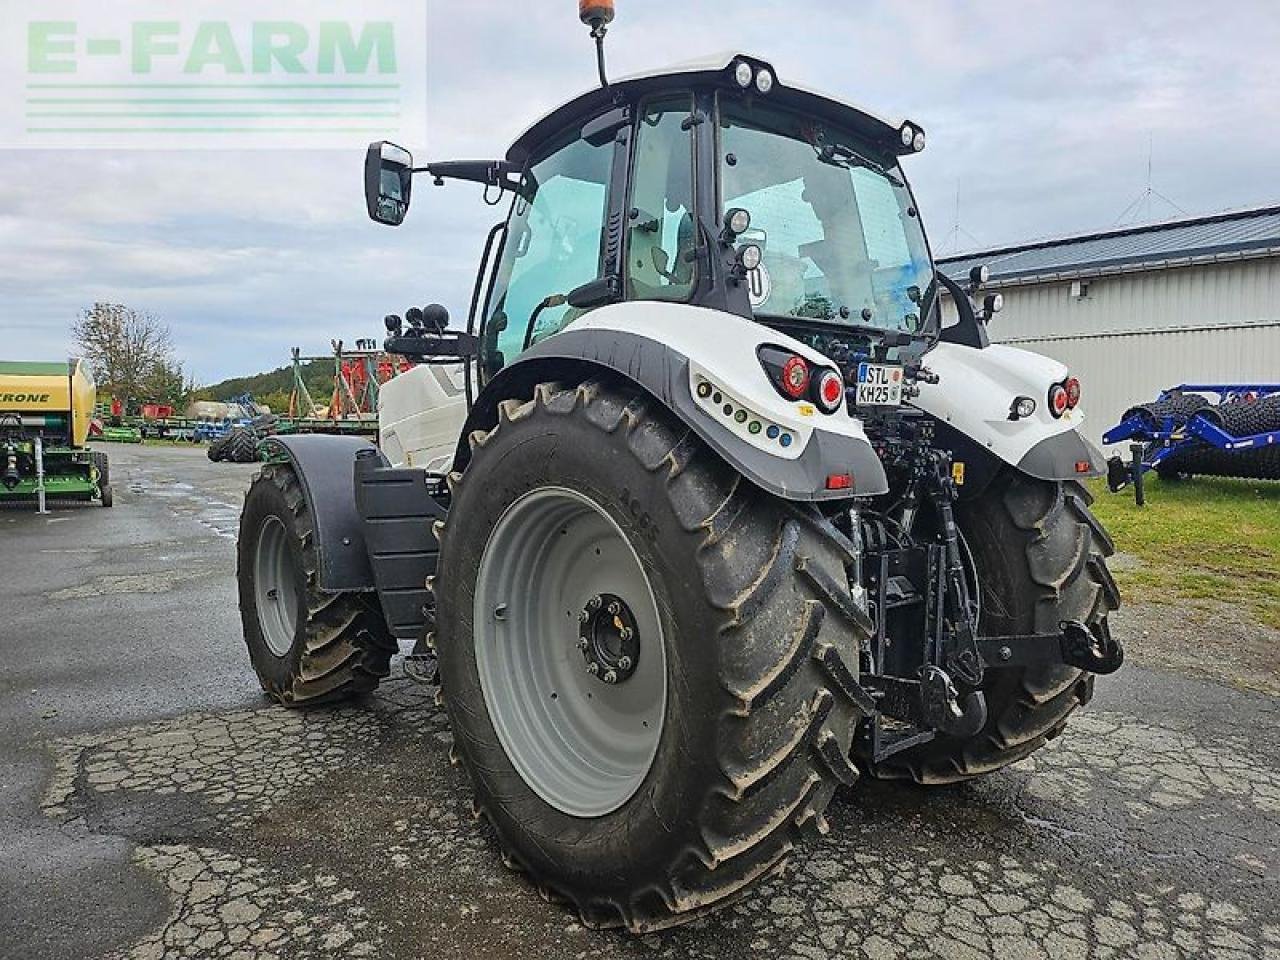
x: 772, y: 432
x: 785, y: 440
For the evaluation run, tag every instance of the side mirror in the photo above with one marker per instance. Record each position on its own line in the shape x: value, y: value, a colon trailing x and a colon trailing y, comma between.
x: 388, y: 180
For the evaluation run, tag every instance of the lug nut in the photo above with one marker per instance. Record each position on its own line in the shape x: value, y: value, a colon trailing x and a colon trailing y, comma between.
x: 593, y: 668
x: 625, y: 633
x: 610, y: 677
x: 624, y: 663
x: 614, y: 608
x: 584, y: 617
x: 583, y: 644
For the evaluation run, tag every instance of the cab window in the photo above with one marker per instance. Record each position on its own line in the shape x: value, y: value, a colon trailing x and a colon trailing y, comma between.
x: 660, y: 233
x: 553, y: 245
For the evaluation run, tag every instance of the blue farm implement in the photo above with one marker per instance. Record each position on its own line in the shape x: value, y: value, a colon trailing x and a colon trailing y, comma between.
x: 1216, y: 429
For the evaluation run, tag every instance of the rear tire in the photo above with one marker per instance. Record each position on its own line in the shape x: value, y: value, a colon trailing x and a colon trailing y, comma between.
x: 759, y: 653
x: 1041, y: 558
x: 306, y: 646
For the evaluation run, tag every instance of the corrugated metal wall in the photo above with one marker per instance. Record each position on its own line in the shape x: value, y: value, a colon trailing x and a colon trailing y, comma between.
x: 1135, y: 334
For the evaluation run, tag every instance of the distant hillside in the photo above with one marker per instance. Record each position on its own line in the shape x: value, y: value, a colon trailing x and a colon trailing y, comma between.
x: 274, y: 386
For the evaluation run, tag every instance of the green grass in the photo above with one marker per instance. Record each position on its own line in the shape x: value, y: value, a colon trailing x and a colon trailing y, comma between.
x: 1199, y: 540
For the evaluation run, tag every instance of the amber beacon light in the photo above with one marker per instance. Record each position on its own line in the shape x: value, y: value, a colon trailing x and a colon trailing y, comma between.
x: 595, y: 12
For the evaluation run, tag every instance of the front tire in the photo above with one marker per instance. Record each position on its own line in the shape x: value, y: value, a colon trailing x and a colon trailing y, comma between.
x: 727, y: 593
x: 306, y: 646
x: 1040, y: 558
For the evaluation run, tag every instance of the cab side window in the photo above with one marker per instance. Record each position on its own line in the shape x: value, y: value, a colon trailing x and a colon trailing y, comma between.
x: 660, y: 232
x: 553, y: 245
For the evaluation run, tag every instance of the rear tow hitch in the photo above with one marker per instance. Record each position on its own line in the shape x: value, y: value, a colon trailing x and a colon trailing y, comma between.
x: 1077, y: 645
x: 930, y: 703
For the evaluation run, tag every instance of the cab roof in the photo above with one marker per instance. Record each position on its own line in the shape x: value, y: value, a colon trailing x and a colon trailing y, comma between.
x: 715, y: 70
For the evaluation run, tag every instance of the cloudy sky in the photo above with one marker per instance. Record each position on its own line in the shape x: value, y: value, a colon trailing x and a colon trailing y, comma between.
x: 1040, y: 113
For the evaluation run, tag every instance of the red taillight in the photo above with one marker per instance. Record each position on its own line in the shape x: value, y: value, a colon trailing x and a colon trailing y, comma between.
x: 830, y: 391
x: 839, y: 481
x: 1073, y: 392
x: 795, y: 377
x: 1058, y: 399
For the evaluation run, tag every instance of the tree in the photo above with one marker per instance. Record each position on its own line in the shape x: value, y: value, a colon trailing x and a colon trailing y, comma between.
x: 131, y: 354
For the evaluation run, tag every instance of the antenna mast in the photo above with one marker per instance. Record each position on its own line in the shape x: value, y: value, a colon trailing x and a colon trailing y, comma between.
x: 597, y: 14
x: 1143, y: 200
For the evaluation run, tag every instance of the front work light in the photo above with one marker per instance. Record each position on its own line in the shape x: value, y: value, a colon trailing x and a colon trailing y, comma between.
x: 764, y: 81
x: 749, y: 256
x: 908, y: 134
x: 736, y: 220
x: 742, y: 74
x: 1021, y: 408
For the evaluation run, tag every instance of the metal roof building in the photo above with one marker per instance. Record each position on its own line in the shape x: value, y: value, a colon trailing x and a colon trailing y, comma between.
x: 1139, y: 309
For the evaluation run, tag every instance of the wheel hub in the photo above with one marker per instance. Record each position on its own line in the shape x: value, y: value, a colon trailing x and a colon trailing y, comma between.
x: 609, y: 638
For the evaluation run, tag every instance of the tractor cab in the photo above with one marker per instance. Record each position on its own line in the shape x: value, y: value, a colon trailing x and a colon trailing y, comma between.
x: 710, y: 184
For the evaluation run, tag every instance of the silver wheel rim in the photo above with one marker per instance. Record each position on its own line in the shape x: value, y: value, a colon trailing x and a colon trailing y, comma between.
x: 582, y: 744
x: 275, y: 586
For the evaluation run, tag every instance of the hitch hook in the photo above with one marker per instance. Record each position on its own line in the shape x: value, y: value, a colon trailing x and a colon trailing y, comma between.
x: 1090, y: 648
x: 943, y: 709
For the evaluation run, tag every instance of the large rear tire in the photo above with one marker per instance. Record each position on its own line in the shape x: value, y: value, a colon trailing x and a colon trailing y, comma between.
x: 733, y: 731
x: 1040, y: 558
x: 306, y: 646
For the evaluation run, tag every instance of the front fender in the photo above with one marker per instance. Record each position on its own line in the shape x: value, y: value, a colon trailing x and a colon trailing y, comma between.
x: 976, y: 388
x: 668, y: 350
x: 324, y: 465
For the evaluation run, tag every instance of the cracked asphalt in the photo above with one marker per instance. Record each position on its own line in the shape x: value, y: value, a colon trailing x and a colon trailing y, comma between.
x: 154, y: 805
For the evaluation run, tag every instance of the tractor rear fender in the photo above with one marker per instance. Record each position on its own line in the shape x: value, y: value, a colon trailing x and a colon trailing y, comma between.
x: 325, y: 465
x: 972, y: 403
x: 668, y: 350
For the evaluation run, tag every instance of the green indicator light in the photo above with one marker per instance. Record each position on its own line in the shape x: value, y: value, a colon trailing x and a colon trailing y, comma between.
x: 753, y: 427
x: 741, y: 416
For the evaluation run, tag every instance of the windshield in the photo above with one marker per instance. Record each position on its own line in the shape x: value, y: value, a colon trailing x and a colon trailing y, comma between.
x: 833, y: 217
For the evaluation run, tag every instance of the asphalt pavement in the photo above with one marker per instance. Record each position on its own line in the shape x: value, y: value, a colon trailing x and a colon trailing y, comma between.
x: 153, y: 804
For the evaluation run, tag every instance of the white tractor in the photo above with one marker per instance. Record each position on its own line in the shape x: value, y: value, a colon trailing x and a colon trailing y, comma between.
x: 705, y: 512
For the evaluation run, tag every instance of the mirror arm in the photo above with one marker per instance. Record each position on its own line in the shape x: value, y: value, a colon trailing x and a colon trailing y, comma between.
x: 491, y: 173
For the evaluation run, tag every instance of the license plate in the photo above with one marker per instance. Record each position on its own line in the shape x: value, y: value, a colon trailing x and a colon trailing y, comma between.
x: 879, y: 385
